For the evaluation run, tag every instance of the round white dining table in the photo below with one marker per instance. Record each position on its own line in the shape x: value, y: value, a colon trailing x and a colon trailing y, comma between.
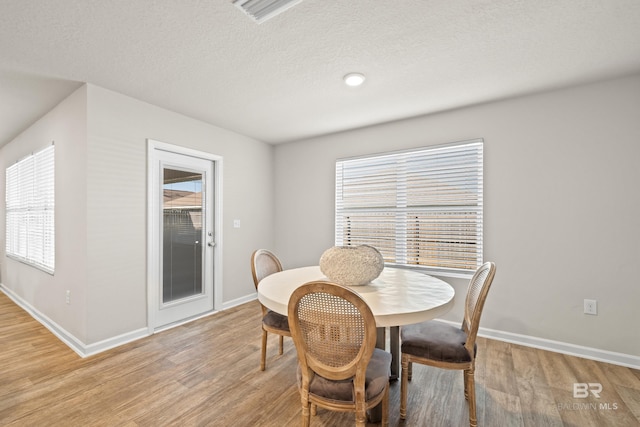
x: 397, y: 297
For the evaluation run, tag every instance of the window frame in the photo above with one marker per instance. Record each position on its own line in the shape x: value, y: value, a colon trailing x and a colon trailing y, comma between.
x: 467, y: 209
x: 30, y: 210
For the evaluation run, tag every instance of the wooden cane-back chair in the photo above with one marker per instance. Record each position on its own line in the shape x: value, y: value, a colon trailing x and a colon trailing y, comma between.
x: 263, y: 264
x: 446, y: 346
x: 340, y: 369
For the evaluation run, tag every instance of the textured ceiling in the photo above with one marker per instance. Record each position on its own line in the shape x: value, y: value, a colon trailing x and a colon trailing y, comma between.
x: 282, y: 80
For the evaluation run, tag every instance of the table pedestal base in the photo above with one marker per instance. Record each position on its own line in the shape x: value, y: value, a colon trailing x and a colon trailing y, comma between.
x: 394, y: 348
x: 375, y: 414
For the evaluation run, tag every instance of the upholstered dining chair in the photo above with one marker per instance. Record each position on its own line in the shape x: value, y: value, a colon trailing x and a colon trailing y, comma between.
x: 263, y: 264
x: 339, y: 367
x: 446, y: 346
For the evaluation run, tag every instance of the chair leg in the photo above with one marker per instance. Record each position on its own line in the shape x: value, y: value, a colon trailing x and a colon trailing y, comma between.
x: 465, y: 378
x: 361, y: 416
x: 314, y: 409
x: 306, y: 414
x: 281, y: 345
x: 471, y: 391
x: 404, y: 383
x: 263, y: 356
x: 410, y: 371
x: 385, y: 408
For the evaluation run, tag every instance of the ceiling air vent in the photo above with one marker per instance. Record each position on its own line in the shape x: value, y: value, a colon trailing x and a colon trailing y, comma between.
x: 261, y: 10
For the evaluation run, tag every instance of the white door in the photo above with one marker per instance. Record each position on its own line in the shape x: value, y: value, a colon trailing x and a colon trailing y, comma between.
x: 183, y: 240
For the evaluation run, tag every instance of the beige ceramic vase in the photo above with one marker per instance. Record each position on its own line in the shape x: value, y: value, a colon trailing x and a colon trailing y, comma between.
x: 351, y: 265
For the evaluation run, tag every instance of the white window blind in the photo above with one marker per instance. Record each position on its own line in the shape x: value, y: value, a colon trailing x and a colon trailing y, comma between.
x: 418, y: 208
x: 30, y: 233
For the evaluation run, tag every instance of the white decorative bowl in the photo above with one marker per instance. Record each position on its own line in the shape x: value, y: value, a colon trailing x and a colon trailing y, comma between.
x: 351, y: 265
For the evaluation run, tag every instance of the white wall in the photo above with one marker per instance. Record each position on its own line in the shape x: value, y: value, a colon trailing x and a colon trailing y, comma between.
x: 561, y: 206
x: 40, y: 291
x: 101, y: 210
x: 116, y: 210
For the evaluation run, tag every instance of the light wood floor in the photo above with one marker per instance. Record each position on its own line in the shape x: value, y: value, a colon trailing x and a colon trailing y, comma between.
x: 206, y: 374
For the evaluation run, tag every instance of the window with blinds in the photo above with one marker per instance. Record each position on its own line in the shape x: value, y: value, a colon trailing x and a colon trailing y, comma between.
x: 420, y: 208
x: 30, y: 233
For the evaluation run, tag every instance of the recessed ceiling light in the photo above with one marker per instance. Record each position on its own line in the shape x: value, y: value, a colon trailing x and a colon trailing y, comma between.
x: 354, y: 79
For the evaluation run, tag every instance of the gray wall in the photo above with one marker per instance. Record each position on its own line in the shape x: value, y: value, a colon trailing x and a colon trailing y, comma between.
x: 66, y: 124
x: 561, y: 205
x: 101, y: 210
x: 117, y: 209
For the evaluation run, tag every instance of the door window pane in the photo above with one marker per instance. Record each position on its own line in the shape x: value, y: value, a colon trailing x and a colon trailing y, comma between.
x: 182, y: 235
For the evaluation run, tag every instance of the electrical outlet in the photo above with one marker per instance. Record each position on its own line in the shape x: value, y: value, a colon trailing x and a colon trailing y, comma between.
x: 68, y: 297
x: 236, y: 223
x: 591, y: 307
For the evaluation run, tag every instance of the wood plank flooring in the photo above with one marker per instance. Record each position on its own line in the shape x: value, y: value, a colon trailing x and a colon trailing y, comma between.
x: 206, y: 373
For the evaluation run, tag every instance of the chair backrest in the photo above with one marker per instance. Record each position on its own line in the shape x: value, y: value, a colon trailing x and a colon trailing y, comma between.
x: 474, y: 303
x: 263, y: 264
x: 333, y: 330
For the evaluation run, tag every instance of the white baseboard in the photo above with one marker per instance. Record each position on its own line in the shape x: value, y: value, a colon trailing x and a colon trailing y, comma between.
x: 239, y: 301
x: 85, y: 350
x: 82, y: 349
x: 225, y: 306
x: 600, y: 355
x: 113, y: 342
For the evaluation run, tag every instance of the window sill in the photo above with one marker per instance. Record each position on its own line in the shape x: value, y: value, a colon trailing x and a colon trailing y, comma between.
x: 30, y: 264
x: 437, y: 272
